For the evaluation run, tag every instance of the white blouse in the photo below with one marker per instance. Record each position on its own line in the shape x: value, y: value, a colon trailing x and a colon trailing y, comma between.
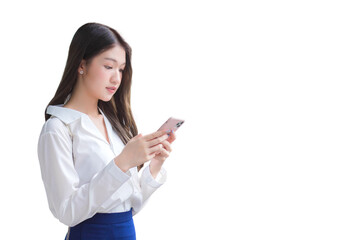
x: 79, y: 172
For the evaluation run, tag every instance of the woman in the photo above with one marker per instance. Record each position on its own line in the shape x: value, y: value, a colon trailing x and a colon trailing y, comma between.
x: 89, y: 148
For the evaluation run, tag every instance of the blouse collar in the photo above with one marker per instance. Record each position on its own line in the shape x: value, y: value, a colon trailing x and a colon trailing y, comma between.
x: 67, y: 115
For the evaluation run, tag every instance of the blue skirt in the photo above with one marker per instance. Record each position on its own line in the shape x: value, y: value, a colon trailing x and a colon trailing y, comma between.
x: 109, y: 226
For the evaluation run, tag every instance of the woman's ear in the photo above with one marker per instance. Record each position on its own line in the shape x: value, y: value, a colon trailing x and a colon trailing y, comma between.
x: 82, y: 67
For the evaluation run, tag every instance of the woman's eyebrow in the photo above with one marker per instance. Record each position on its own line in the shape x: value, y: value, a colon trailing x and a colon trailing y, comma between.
x: 113, y: 60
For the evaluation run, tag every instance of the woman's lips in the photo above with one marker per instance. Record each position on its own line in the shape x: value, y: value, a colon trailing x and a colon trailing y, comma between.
x: 112, y: 90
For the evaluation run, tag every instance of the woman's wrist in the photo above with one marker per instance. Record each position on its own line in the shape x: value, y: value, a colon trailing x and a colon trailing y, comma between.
x: 155, y: 167
x: 121, y: 163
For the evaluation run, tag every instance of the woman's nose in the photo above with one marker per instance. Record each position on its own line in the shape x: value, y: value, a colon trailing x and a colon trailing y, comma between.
x: 117, y: 77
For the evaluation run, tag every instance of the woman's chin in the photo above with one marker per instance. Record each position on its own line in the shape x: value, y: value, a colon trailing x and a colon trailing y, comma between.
x: 106, y: 99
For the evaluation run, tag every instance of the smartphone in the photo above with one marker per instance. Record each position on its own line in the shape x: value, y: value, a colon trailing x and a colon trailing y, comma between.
x: 172, y: 124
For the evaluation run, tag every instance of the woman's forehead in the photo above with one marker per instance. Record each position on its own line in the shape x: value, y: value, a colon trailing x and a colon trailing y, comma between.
x: 115, y: 54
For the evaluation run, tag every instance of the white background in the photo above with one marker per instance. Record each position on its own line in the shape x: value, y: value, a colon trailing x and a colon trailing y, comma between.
x: 269, y: 91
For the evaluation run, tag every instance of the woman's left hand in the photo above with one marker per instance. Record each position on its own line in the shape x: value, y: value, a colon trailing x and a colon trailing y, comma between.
x: 164, y: 153
x: 157, y: 161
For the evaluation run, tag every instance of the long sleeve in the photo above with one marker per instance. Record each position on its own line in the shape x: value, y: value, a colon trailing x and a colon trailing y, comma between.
x: 149, y: 185
x: 69, y: 202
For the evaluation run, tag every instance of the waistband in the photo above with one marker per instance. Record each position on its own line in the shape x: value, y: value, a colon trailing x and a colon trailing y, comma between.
x: 110, y: 218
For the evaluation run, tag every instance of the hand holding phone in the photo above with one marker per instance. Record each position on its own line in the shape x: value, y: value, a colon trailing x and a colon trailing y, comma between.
x: 171, y: 124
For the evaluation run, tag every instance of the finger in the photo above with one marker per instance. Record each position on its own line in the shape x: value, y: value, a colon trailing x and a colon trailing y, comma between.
x: 163, y: 153
x: 153, y: 155
x: 172, y: 137
x: 154, y: 135
x: 155, y: 148
x: 157, y: 140
x: 167, y: 145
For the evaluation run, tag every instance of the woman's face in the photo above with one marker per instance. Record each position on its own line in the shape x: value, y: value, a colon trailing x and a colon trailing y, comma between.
x: 104, y: 73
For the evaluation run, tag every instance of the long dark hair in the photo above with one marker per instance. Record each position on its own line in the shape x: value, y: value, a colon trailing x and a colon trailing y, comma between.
x: 90, y: 40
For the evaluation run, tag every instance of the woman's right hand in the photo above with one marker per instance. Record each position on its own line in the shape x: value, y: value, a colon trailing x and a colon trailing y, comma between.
x: 140, y: 149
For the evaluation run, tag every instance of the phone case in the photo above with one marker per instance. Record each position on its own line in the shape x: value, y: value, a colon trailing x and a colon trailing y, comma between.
x: 172, y: 124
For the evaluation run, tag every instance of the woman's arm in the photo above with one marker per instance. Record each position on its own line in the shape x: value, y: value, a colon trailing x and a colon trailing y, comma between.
x: 69, y: 202
x: 154, y: 175
x: 149, y: 185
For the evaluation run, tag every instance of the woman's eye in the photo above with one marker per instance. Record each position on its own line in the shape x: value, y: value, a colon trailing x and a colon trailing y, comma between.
x: 108, y: 67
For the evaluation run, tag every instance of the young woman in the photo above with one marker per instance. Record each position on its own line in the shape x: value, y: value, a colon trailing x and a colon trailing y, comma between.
x: 89, y: 148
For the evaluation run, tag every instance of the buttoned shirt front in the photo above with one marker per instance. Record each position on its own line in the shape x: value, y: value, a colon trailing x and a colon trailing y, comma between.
x: 79, y: 172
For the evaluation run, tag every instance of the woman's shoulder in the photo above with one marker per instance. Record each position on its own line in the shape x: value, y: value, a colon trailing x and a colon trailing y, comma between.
x: 53, y: 125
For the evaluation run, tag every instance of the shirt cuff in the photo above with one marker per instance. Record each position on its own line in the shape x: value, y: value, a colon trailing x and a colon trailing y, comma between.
x: 160, y: 178
x: 117, y: 172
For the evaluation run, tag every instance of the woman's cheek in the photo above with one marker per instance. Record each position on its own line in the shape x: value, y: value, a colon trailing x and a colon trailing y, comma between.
x: 100, y: 80
x: 103, y: 82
